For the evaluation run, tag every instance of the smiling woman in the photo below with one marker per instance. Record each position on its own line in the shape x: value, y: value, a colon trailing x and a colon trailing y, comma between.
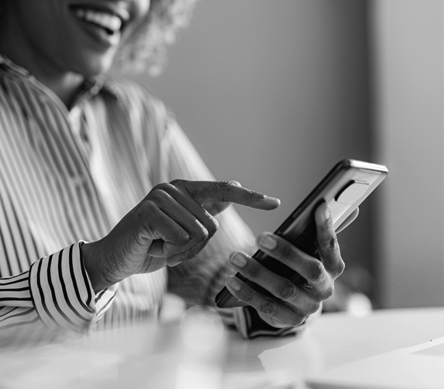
x: 94, y: 31
x: 62, y: 41
x: 104, y: 202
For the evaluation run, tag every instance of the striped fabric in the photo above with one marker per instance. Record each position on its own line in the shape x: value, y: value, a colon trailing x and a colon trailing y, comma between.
x: 68, y: 176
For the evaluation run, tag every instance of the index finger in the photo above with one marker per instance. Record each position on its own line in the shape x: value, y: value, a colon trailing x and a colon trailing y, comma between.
x: 229, y: 192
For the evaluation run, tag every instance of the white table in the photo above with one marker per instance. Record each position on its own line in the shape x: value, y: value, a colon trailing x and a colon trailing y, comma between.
x: 156, y: 356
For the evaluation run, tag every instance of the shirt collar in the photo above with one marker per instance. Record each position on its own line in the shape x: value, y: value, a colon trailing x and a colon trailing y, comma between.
x: 92, y: 85
x: 10, y: 66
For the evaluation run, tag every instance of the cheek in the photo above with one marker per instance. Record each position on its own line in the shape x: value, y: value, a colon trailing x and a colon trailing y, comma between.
x: 44, y: 24
x: 140, y: 9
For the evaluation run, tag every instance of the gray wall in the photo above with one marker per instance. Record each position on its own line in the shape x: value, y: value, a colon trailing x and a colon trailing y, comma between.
x: 408, y: 43
x: 273, y: 93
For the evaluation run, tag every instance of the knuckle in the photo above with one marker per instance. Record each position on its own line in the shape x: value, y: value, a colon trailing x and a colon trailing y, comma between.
x: 253, y: 270
x: 298, y: 320
x: 313, y: 308
x: 268, y: 307
x: 164, y: 186
x: 275, y: 323
x: 246, y: 296
x: 146, y: 207
x: 339, y: 268
x: 295, y: 319
x: 201, y: 234
x: 225, y: 184
x: 160, y: 193
x: 180, y: 239
x: 316, y: 307
x: 213, y: 226
x: 286, y: 252
x: 192, y: 252
x: 332, y: 243
x: 328, y: 243
x: 328, y: 292
x: 287, y: 291
x: 316, y: 272
x: 177, y: 183
x: 225, y: 189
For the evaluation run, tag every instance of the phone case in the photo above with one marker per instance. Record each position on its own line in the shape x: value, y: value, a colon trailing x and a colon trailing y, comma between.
x: 344, y: 188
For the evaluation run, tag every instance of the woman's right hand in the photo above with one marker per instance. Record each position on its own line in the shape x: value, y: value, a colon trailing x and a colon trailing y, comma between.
x: 171, y: 224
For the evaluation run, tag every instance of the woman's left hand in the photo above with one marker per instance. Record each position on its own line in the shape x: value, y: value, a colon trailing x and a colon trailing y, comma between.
x: 289, y: 304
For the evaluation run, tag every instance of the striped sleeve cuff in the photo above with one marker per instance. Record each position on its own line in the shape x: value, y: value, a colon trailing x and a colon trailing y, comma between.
x: 16, y: 307
x: 14, y: 291
x: 62, y: 293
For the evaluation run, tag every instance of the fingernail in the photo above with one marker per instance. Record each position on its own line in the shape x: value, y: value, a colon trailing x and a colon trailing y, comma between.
x: 238, y: 260
x: 173, y: 264
x: 268, y: 242
x: 273, y: 199
x: 234, y: 283
x: 327, y: 213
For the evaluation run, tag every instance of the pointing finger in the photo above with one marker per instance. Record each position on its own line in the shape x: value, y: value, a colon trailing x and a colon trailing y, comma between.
x: 228, y: 192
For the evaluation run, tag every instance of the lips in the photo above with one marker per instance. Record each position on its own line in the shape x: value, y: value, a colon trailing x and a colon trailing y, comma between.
x: 110, y: 23
x: 104, y: 22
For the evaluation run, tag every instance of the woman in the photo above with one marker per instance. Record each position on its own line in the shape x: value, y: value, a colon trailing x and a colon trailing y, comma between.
x: 99, y: 182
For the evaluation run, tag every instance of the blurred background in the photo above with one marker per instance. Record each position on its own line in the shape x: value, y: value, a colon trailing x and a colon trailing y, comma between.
x: 273, y: 93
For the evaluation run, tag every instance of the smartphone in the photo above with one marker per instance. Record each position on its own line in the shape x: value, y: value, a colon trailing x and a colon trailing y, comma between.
x: 344, y: 188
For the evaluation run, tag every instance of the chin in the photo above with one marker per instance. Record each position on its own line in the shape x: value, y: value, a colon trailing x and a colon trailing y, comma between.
x: 93, y: 65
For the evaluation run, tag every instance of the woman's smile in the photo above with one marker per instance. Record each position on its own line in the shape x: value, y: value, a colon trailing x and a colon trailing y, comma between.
x: 103, y: 23
x: 78, y: 37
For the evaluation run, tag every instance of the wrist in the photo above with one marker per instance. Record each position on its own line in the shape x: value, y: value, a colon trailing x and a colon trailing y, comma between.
x: 93, y: 266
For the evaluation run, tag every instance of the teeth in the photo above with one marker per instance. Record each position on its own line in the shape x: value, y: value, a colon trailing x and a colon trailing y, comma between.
x: 105, y: 20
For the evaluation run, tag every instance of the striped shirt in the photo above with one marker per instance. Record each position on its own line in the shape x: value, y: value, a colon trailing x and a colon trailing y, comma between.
x: 69, y: 176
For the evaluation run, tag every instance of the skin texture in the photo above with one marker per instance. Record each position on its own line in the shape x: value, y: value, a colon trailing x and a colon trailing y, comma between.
x: 289, y: 304
x: 175, y: 220
x: 172, y: 224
